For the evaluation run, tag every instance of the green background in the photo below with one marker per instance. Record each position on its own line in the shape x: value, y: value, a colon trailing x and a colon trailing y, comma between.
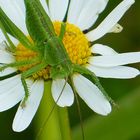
x: 124, y: 122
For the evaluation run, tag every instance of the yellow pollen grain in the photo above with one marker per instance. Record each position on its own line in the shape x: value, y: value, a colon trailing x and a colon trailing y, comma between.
x: 75, y: 42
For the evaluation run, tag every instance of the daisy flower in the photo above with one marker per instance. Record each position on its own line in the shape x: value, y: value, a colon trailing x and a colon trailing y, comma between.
x: 80, y: 15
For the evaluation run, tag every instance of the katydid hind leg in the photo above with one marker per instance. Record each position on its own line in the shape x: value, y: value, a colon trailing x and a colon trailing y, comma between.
x: 93, y: 78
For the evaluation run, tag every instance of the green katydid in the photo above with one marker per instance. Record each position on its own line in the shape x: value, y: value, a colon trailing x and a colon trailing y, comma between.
x: 47, y: 44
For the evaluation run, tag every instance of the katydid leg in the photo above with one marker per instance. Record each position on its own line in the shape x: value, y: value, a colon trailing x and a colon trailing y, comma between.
x: 27, y: 74
x: 19, y: 63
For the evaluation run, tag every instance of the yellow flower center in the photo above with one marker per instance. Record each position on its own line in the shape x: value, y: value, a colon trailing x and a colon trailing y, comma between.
x: 75, y: 42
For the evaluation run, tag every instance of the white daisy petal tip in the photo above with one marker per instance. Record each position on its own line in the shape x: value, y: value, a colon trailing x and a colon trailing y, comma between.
x: 116, y: 29
x: 106, y: 110
x: 129, y: 2
x: 91, y: 95
x: 118, y: 72
x: 25, y: 115
x: 94, y: 7
x: 110, y: 21
x: 102, y: 50
x: 115, y: 60
x: 64, y: 99
x: 138, y: 73
x: 16, y: 127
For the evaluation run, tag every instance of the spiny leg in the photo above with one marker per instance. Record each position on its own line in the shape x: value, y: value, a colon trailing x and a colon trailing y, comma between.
x: 27, y: 74
x: 19, y: 63
x: 25, y: 86
x: 83, y: 70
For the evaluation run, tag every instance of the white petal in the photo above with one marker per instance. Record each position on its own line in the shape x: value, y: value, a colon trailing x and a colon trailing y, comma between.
x: 6, y: 57
x: 7, y: 71
x: 14, y: 40
x: 110, y: 21
x: 115, y: 60
x: 25, y: 115
x: 90, y: 13
x: 2, y: 38
x: 45, y: 6
x: 11, y: 97
x: 58, y: 9
x: 9, y: 83
x: 15, y: 10
x: 119, y: 72
x: 91, y: 95
x: 116, y: 29
x: 2, y: 45
x: 102, y: 50
x: 75, y: 10
x: 67, y: 97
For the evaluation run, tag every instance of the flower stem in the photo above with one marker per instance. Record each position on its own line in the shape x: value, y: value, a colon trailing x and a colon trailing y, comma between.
x: 64, y: 124
x: 55, y: 125
x: 47, y: 128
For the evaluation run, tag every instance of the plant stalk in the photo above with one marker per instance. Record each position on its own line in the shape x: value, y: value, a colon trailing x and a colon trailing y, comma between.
x: 51, y: 126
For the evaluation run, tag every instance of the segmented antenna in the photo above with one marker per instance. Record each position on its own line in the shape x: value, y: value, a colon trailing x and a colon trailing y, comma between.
x: 48, y: 117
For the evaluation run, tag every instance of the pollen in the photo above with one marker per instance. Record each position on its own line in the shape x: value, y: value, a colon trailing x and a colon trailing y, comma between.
x: 75, y: 42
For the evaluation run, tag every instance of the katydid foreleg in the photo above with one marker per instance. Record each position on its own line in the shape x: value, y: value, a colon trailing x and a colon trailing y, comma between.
x: 27, y: 74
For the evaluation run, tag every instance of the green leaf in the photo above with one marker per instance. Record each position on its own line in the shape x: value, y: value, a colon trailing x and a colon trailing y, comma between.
x: 121, y: 124
x: 38, y: 22
x: 12, y: 29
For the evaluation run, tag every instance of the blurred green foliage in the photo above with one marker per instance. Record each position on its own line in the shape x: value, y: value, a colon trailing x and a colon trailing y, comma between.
x: 122, y: 124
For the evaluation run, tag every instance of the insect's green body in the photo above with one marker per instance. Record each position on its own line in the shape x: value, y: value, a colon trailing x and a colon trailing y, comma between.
x: 61, y: 66
x: 49, y: 46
